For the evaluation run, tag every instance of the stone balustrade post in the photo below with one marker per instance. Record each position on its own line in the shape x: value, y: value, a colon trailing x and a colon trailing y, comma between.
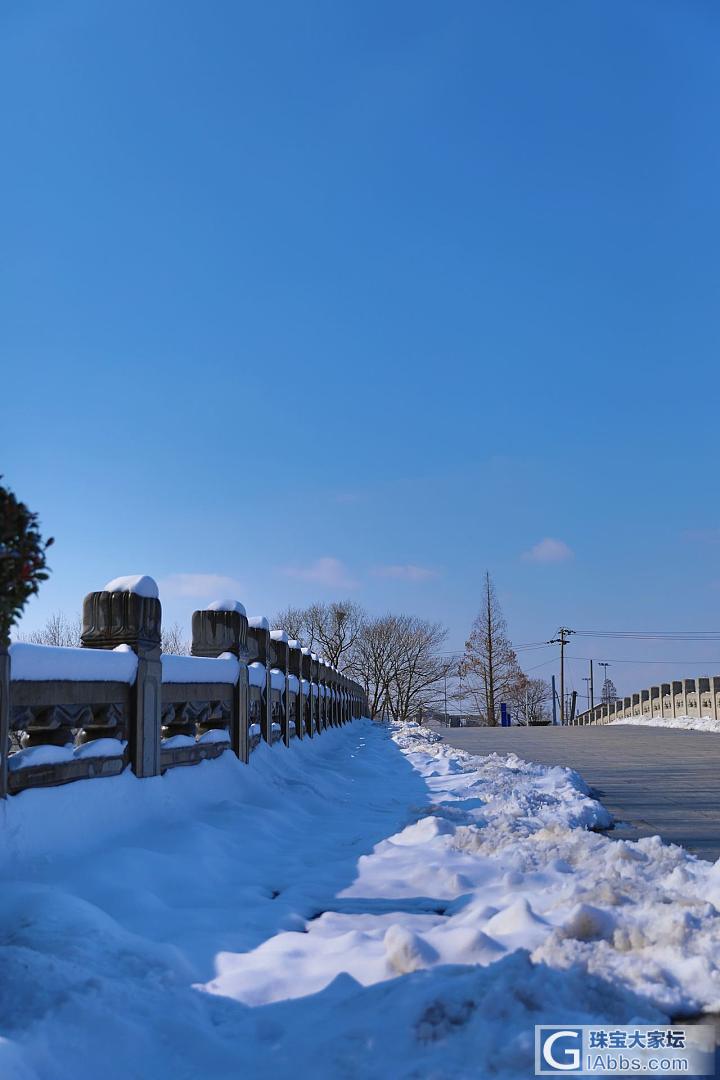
x: 317, y: 714
x: 259, y: 632
x: 295, y: 668
x: 279, y: 650
x: 332, y: 716
x: 322, y: 680
x: 223, y: 627
x: 128, y: 612
x: 309, y: 704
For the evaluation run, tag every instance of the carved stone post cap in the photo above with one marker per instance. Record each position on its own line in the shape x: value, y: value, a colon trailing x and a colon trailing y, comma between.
x: 123, y: 615
x: 220, y: 627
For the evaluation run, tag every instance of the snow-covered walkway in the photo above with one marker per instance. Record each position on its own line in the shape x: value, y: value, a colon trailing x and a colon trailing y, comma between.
x: 372, y: 903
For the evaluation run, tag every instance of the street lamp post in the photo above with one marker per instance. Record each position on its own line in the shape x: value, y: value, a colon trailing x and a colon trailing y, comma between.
x: 605, y: 694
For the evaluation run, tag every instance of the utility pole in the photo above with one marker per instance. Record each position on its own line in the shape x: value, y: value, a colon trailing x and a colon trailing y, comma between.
x: 562, y: 640
x: 592, y: 687
x: 446, y: 715
x: 554, y: 701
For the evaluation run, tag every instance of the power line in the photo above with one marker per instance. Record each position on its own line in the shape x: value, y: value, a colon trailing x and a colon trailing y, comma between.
x: 687, y: 660
x: 653, y: 635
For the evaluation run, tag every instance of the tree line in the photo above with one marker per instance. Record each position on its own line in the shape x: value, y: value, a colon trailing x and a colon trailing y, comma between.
x: 398, y: 659
x: 401, y: 661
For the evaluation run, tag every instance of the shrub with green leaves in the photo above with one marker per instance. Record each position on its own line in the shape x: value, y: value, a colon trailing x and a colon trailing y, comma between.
x: 22, y: 560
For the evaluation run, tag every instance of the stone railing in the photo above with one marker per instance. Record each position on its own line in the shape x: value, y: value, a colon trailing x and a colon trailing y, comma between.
x: 682, y: 697
x: 69, y: 714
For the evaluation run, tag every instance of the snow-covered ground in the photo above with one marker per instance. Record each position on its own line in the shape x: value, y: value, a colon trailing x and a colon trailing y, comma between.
x: 688, y: 723
x: 371, y: 903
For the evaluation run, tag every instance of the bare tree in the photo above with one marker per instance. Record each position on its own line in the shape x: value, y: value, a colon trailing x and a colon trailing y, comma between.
x: 60, y: 629
x: 173, y: 640
x: 529, y: 699
x: 331, y: 629
x: 336, y: 627
x: 372, y: 662
x: 398, y: 660
x: 490, y: 668
x: 418, y: 667
x: 294, y: 622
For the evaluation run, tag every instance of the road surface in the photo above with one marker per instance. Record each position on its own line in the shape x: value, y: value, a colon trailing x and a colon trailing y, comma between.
x: 653, y: 780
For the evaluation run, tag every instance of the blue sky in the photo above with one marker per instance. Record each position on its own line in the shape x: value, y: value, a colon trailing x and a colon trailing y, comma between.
x: 320, y: 299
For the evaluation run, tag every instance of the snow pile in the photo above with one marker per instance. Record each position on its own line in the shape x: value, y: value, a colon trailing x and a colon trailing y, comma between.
x: 189, y: 669
x: 371, y: 903
x: 227, y: 605
x: 40, y: 662
x: 688, y: 723
x: 140, y: 584
x: 47, y: 754
x: 256, y: 674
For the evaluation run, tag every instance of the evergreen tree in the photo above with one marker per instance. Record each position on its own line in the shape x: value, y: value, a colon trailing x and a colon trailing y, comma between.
x: 22, y: 560
x: 609, y: 693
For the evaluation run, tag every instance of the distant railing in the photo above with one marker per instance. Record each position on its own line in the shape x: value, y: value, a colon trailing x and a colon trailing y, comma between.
x: 71, y: 714
x: 681, y: 697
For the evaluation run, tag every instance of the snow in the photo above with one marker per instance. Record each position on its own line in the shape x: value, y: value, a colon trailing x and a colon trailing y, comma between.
x: 305, y: 687
x: 688, y: 723
x: 226, y: 605
x: 277, y: 679
x: 140, y: 584
x: 279, y: 635
x: 294, y: 643
x: 258, y: 622
x: 39, y: 755
x: 215, y: 735
x: 293, y: 684
x: 189, y: 669
x: 256, y: 674
x: 39, y: 662
x: 100, y: 748
x: 217, y: 921
x: 174, y: 741
x: 48, y: 754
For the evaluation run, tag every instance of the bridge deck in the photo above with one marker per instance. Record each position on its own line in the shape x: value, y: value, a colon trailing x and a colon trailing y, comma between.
x: 653, y: 780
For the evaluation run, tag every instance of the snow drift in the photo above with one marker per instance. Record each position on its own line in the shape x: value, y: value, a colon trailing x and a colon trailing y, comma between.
x: 372, y: 903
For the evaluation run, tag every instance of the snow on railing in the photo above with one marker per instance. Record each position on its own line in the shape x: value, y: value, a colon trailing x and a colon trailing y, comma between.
x: 680, y: 697
x: 74, y: 713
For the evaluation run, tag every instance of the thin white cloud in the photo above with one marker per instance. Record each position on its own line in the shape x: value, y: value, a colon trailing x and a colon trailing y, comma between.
x: 548, y: 551
x: 405, y: 572
x: 200, y: 586
x: 327, y: 571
